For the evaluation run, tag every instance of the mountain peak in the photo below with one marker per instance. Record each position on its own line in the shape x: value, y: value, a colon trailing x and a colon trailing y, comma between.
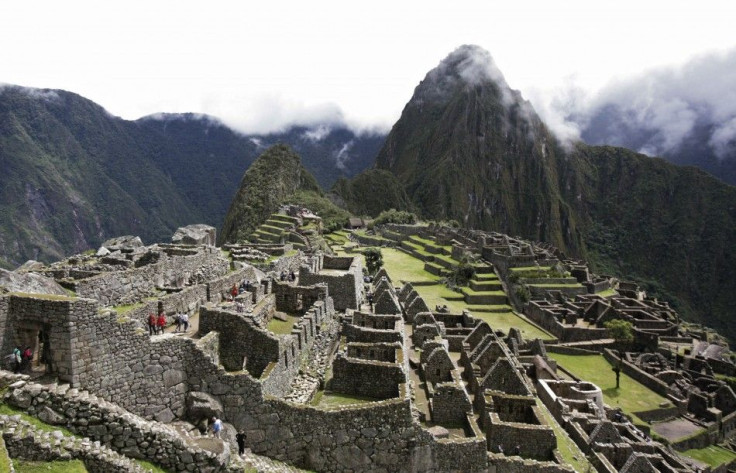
x: 468, y: 65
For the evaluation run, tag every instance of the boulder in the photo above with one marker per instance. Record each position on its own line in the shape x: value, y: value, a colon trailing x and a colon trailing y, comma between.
x: 197, y: 234
x: 202, y: 406
x: 31, y: 283
x: 123, y: 243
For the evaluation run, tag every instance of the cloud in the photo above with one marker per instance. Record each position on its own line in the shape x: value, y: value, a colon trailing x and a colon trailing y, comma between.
x: 656, y: 111
x: 317, y: 134
x: 48, y: 95
x: 468, y: 64
x: 342, y: 156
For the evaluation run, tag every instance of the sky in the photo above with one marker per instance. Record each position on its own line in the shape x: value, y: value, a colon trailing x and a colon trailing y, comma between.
x: 261, y: 66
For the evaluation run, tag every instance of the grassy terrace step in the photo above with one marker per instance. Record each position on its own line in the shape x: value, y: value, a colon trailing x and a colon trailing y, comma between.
x: 279, y: 223
x: 531, y: 268
x: 483, y: 269
x: 266, y: 233
x: 434, y: 268
x: 285, y: 218
x: 492, y: 285
x: 552, y: 286
x: 446, y: 261
x: 410, y: 245
x: 485, y: 277
x: 271, y: 229
x: 495, y: 308
x: 484, y: 297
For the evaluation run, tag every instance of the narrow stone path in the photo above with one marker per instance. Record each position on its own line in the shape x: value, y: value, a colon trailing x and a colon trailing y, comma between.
x: 313, y: 369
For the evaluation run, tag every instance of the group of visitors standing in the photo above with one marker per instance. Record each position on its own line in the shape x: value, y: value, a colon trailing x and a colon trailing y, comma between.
x: 21, y: 359
x: 157, y: 324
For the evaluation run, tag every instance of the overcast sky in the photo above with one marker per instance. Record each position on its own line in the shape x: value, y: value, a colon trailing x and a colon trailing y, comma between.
x: 261, y: 65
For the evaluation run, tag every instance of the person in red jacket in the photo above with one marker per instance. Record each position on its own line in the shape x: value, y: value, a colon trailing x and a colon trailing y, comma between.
x: 161, y: 322
x: 151, y: 324
x: 234, y: 291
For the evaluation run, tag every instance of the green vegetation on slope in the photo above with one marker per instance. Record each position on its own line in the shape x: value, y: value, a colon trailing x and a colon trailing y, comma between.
x: 271, y: 180
x: 476, y: 152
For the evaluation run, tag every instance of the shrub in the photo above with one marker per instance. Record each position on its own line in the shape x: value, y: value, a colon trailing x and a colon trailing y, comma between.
x: 396, y: 216
x: 523, y: 294
x: 373, y: 259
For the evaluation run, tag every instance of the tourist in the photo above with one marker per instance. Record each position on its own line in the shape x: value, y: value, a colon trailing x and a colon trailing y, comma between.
x: 177, y: 321
x: 151, y: 324
x: 283, y: 276
x: 161, y: 322
x: 27, y: 357
x: 216, y: 427
x: 17, y: 359
x: 240, y: 438
x: 292, y: 276
x: 234, y: 291
x: 517, y: 450
x: 185, y: 321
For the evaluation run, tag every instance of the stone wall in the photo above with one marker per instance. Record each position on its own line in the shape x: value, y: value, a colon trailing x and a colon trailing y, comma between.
x: 353, y: 333
x: 245, y: 341
x: 92, y: 417
x: 379, y: 380
x: 345, y: 289
x: 135, y: 284
x: 514, y: 464
x: 26, y: 442
x: 55, y: 315
x: 450, y: 403
x: 534, y: 441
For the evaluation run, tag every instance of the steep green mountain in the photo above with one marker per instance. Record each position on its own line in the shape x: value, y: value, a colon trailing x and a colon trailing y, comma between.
x: 370, y: 192
x: 469, y: 148
x: 612, y: 124
x: 272, y: 180
x: 73, y: 175
x: 329, y: 152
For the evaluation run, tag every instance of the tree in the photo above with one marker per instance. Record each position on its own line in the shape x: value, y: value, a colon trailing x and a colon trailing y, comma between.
x: 623, y: 332
x: 620, y: 330
x: 373, y: 259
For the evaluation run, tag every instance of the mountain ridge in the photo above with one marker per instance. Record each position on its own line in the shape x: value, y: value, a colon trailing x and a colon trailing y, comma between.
x: 77, y: 175
x: 471, y: 155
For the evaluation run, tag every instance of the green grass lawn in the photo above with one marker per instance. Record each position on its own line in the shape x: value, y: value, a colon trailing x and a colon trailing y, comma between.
x: 505, y: 320
x: 73, y: 466
x: 569, y: 450
x: 404, y: 267
x: 712, y: 455
x: 607, y: 293
x: 632, y: 396
x: 330, y: 399
x: 556, y: 285
x: 279, y: 327
x: 423, y: 241
x: 432, y: 295
x: 531, y: 269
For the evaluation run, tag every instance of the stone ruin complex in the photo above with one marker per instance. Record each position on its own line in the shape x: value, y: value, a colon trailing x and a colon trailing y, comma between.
x: 319, y: 378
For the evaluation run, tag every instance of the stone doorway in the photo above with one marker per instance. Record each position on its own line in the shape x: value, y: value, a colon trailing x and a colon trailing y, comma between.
x: 36, y: 336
